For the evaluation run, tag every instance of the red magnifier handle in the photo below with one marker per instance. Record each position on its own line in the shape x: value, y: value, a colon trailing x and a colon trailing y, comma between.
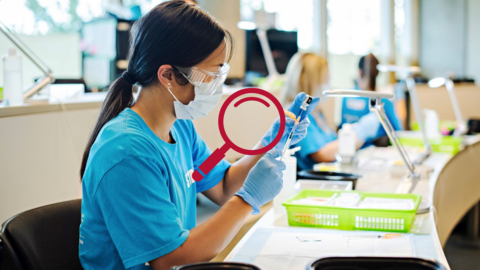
x: 210, y: 162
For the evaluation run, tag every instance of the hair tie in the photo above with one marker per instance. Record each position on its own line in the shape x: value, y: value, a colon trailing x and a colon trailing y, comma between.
x: 127, y: 77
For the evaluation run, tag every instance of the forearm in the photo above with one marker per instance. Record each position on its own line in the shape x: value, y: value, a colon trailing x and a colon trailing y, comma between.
x: 234, y: 178
x: 328, y: 152
x: 236, y: 175
x: 208, y: 239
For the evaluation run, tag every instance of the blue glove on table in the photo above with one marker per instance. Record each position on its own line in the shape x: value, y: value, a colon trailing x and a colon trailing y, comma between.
x: 367, y: 127
x: 264, y: 181
x: 300, y: 131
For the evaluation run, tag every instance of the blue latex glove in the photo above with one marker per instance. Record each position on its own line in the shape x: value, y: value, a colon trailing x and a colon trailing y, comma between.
x: 300, y: 131
x: 367, y: 127
x: 264, y: 181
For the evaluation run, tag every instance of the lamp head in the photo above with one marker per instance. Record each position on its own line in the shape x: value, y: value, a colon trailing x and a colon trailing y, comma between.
x: 246, y: 25
x: 392, y: 68
x: 356, y: 93
x: 436, y: 82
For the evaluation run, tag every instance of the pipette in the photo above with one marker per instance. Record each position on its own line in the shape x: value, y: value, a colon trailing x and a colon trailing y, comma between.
x: 303, y: 108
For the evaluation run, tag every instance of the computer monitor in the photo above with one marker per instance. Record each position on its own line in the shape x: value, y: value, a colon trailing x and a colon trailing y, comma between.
x: 283, y: 45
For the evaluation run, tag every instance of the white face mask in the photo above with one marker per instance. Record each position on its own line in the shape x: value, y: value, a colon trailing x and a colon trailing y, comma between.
x: 200, y: 106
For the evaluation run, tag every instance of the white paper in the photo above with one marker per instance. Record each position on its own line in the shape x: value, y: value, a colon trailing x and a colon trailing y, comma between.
x: 285, y: 250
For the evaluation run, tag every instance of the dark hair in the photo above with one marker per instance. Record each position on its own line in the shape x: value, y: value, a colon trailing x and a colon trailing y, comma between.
x: 175, y: 33
x: 368, y: 66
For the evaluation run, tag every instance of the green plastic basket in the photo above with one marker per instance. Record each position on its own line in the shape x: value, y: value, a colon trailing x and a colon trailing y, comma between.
x: 343, y: 218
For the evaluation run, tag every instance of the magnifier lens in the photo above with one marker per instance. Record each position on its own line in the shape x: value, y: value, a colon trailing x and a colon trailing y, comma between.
x: 219, y: 153
x: 246, y: 123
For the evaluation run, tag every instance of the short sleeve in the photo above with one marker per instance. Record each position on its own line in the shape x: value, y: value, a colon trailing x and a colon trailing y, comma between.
x: 399, y: 90
x: 200, y: 153
x: 134, y: 200
x: 315, y: 140
x: 392, y: 117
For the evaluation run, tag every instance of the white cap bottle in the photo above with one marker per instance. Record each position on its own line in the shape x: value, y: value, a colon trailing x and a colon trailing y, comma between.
x: 289, y: 180
x: 346, y: 142
x: 12, y: 78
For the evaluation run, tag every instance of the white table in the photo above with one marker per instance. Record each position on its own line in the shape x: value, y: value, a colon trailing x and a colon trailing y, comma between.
x: 423, y: 238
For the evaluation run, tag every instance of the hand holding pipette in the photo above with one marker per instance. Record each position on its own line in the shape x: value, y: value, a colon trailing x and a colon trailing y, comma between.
x: 299, y: 124
x: 303, y: 108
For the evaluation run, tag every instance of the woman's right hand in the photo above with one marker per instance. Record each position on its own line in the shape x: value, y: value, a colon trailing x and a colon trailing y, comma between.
x: 264, y: 181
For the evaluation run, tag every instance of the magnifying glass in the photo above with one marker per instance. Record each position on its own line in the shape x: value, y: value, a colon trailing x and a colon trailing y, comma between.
x: 219, y: 153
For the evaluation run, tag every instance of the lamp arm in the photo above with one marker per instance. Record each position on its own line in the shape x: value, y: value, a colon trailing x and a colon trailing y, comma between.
x: 23, y: 48
x: 417, y: 109
x: 267, y: 52
x: 392, y: 135
x: 408, y: 184
x: 460, y: 130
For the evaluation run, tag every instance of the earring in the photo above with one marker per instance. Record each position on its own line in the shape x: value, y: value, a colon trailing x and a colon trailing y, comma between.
x: 169, y: 85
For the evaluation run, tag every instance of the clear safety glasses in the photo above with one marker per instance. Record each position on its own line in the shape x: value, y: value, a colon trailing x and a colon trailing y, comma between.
x: 207, y: 82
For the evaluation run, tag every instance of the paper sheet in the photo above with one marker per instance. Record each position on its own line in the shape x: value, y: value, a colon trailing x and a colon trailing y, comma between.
x: 285, y: 250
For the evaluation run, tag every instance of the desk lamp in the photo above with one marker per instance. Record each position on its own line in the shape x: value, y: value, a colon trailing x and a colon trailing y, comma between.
x: 407, y: 185
x: 47, y: 73
x: 461, y: 128
x: 417, y: 109
x: 273, y: 74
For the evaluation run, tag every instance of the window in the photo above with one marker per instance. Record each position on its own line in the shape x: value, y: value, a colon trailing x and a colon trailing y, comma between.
x: 283, y: 15
x: 353, y: 26
x: 49, y: 16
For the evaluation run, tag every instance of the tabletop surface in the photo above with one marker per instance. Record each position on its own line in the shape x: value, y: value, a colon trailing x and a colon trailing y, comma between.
x: 272, y: 244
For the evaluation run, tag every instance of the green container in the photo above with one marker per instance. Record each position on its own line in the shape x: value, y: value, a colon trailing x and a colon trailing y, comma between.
x: 343, y: 218
x: 445, y: 144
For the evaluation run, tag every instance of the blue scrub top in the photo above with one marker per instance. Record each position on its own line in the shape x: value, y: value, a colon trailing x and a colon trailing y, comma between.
x: 139, y: 198
x: 317, y: 137
x: 354, y: 108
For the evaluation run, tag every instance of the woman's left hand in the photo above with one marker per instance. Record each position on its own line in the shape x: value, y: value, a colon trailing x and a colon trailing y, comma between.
x: 301, y: 129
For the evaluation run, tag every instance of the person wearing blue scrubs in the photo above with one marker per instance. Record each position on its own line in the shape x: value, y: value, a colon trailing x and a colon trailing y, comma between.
x: 307, y: 72
x: 354, y: 108
x: 139, y: 196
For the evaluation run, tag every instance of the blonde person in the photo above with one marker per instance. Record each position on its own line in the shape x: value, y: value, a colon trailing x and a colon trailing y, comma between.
x: 308, y: 72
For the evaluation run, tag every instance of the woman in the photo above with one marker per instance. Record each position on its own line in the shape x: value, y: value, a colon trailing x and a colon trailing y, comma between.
x: 353, y: 108
x: 307, y: 72
x: 139, y: 198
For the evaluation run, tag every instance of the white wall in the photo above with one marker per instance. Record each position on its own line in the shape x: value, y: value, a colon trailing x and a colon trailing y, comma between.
x: 40, y: 158
x: 61, y: 52
x: 473, y: 39
x: 228, y: 14
x: 443, y: 37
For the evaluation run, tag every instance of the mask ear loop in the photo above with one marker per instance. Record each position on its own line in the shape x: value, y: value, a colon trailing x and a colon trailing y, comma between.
x: 169, y: 85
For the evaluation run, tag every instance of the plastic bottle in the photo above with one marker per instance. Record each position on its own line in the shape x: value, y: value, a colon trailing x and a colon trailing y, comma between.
x: 432, y: 124
x: 346, y: 143
x: 289, y: 181
x: 12, y: 78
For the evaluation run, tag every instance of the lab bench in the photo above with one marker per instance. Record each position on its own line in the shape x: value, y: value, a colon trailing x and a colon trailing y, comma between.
x: 271, y: 242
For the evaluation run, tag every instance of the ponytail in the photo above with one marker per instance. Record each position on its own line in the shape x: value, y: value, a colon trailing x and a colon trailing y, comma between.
x: 368, y: 66
x: 119, y: 97
x: 173, y: 33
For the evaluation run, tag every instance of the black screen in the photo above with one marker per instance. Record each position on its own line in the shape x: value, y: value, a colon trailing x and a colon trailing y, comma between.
x: 283, y: 45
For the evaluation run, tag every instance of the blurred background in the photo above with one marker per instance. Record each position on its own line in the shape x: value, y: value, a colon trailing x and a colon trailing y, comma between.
x: 85, y: 42
x: 89, y: 39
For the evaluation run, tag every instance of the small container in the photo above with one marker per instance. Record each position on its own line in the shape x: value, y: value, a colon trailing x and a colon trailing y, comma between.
x: 216, y: 265
x: 346, y: 143
x: 12, y: 79
x: 329, y: 176
x: 432, y: 124
x: 374, y: 263
x: 289, y: 181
